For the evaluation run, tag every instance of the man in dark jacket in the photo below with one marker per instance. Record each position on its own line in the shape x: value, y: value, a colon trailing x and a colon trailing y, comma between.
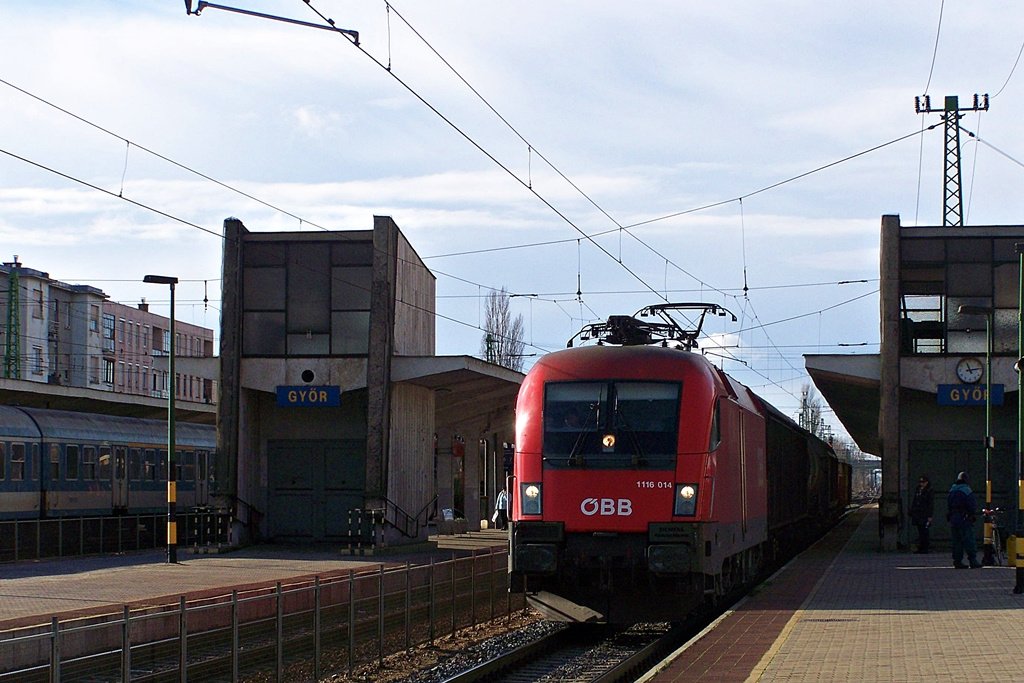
x: 922, y: 507
x: 960, y: 515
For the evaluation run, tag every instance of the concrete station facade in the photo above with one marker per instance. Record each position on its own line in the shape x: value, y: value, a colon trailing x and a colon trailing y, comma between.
x: 920, y: 402
x: 332, y: 399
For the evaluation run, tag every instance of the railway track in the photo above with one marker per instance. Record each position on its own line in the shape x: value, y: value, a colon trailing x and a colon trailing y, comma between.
x: 581, y: 654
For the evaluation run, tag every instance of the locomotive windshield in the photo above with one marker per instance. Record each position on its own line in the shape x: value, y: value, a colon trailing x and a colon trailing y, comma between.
x: 611, y: 425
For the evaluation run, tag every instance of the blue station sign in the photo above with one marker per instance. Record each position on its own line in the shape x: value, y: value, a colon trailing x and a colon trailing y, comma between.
x: 968, y: 395
x: 306, y: 396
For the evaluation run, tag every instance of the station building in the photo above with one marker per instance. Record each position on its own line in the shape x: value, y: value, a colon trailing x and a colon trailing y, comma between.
x: 333, y: 402
x: 920, y: 403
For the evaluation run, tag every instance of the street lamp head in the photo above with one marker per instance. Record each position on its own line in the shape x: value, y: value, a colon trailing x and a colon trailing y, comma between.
x: 160, y: 279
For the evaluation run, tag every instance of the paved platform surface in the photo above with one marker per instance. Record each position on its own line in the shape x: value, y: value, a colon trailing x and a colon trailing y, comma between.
x: 845, y: 611
x: 32, y: 592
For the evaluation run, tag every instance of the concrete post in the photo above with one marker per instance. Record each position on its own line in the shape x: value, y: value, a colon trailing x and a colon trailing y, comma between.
x: 889, y: 385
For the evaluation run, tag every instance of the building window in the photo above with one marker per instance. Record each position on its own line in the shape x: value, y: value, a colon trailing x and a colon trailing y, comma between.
x: 37, y: 360
x: 94, y: 370
x: 923, y: 325
x: 37, y: 304
x: 94, y: 318
x: 121, y: 330
x: 108, y: 332
x: 108, y: 372
x: 145, y: 337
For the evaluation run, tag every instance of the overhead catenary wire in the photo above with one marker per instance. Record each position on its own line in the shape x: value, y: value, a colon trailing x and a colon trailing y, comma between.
x: 579, y: 289
x: 493, y: 158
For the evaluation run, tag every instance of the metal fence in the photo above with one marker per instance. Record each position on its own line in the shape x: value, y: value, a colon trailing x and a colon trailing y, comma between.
x: 36, y: 539
x: 286, y: 632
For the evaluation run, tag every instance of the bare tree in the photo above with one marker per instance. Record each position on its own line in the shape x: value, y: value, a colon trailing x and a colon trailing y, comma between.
x: 503, y: 335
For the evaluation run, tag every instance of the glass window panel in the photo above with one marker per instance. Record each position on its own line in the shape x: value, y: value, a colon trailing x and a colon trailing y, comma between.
x: 71, y: 462
x: 967, y: 321
x: 1006, y: 250
x: 1006, y: 288
x: 17, y: 462
x: 350, y: 333
x: 969, y: 279
x: 574, y: 406
x: 264, y: 253
x: 966, y: 342
x: 1005, y: 338
x: 89, y: 463
x: 135, y: 464
x: 190, y: 465
x: 264, y: 289
x: 54, y: 462
x: 309, y: 290
x: 350, y: 288
x: 352, y: 253
x: 309, y: 345
x: 104, y: 466
x: 922, y: 250
x: 263, y: 334
x: 3, y: 460
x: 150, y: 464
x: 969, y: 249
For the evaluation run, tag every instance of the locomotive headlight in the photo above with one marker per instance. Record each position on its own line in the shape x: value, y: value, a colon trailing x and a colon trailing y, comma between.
x: 685, y: 500
x: 530, y: 499
x: 608, y: 441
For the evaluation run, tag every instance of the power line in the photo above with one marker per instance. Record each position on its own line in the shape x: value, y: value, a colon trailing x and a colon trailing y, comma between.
x: 129, y: 143
x: 935, y: 49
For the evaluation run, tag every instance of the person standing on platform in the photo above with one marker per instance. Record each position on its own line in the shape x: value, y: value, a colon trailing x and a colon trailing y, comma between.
x: 960, y: 514
x: 922, y: 507
x: 501, y: 510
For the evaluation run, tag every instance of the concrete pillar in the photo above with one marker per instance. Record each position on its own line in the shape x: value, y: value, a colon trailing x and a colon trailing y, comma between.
x: 378, y: 364
x: 889, y: 385
x: 230, y: 359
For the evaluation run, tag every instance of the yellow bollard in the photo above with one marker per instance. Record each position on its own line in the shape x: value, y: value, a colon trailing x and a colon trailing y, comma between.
x: 1011, y: 551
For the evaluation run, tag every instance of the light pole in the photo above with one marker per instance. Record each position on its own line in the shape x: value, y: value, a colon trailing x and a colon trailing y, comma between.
x: 990, y: 442
x: 172, y: 459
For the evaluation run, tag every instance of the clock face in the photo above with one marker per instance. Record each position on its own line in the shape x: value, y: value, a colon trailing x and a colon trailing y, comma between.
x: 969, y: 370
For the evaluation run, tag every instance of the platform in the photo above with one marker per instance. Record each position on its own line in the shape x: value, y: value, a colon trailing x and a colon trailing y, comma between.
x: 845, y: 611
x: 33, y: 592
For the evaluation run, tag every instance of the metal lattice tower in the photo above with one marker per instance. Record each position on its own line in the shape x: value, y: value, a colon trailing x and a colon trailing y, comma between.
x: 12, y: 347
x: 953, y: 202
x: 953, y: 206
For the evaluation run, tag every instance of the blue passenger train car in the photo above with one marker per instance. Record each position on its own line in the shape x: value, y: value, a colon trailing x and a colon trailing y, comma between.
x: 57, y: 463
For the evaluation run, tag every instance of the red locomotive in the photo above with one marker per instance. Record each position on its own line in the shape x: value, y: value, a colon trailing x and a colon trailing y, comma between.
x: 648, y: 483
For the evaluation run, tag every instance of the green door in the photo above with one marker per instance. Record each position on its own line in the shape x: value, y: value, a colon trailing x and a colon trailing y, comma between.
x: 313, y: 486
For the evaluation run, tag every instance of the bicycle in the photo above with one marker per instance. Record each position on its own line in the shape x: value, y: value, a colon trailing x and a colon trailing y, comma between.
x: 993, y: 535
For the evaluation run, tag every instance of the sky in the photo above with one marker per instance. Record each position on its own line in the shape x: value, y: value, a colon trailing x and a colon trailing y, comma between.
x: 591, y: 157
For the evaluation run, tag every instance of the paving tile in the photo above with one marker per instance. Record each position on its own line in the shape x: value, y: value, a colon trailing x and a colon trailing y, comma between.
x: 845, y: 611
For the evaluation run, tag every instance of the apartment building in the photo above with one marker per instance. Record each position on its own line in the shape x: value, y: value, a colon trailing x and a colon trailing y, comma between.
x: 73, y: 335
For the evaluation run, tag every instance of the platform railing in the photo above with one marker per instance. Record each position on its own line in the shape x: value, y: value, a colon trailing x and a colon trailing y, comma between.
x: 301, y: 630
x: 37, y: 539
